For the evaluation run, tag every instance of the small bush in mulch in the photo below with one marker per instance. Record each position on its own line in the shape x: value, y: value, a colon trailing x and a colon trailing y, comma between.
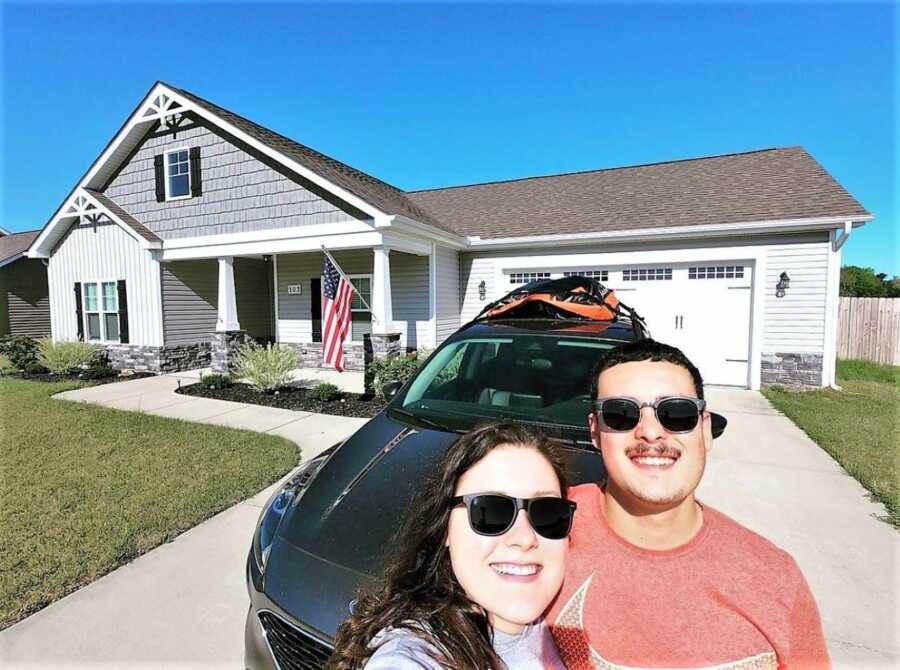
x: 20, y: 350
x: 95, y: 374
x: 295, y: 398
x: 324, y: 393
x: 216, y: 381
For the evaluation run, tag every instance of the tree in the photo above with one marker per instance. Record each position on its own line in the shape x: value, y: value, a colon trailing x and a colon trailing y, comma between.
x: 860, y: 282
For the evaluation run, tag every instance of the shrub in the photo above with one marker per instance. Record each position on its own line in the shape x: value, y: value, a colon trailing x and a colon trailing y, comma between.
x: 98, y: 372
x: 19, y: 350
x: 6, y: 366
x: 216, y: 381
x: 265, y: 368
x: 63, y: 357
x: 324, y: 392
x: 393, y: 369
x: 35, y: 369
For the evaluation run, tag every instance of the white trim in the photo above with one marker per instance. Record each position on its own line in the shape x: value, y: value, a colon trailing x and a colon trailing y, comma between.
x: 174, y: 198
x: 669, y: 232
x: 275, y: 292
x: 100, y: 311
x: 432, y: 295
x: 755, y: 256
x: 417, y: 247
x: 349, y: 339
x: 294, y: 232
x: 402, y: 223
x: 832, y: 302
x: 284, y: 246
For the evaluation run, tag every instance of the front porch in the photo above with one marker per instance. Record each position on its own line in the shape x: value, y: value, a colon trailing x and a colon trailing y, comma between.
x: 276, y: 297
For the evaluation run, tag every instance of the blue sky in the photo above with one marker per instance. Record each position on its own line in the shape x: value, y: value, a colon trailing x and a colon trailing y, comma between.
x: 426, y: 95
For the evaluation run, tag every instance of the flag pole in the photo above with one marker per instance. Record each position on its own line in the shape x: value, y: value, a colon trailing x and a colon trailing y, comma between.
x: 345, y: 277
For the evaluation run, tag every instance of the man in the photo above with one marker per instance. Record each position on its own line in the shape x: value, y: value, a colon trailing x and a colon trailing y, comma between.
x: 655, y: 578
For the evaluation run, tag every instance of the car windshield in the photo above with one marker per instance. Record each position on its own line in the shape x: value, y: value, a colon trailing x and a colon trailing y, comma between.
x: 538, y: 378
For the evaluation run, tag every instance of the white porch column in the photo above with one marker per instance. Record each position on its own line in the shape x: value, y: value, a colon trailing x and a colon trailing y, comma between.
x: 382, y: 311
x: 228, y: 319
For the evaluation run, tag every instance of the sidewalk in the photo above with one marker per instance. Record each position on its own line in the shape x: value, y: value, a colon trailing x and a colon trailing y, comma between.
x: 156, y: 395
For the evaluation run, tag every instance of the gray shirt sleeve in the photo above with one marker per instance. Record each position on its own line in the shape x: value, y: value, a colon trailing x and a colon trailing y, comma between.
x: 400, y: 649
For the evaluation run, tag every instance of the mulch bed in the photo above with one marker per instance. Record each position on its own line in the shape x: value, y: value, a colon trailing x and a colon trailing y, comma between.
x: 47, y: 377
x: 349, y: 404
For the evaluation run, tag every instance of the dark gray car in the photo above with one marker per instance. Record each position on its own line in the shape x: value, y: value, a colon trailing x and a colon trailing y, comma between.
x: 325, y: 532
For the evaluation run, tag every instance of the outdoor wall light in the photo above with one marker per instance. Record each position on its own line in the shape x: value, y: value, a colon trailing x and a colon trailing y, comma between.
x: 482, y: 290
x: 784, y: 283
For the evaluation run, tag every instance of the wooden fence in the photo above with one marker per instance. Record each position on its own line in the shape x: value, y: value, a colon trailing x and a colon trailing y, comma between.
x: 869, y: 329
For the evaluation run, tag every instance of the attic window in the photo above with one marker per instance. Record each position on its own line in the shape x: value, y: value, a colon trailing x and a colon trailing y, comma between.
x: 178, y: 174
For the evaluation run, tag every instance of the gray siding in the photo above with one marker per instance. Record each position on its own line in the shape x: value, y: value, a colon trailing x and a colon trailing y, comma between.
x: 796, y: 322
x: 409, y: 292
x: 295, y: 311
x: 240, y: 192
x: 447, y: 276
x: 253, y: 289
x: 409, y: 297
x: 24, y: 299
x: 105, y: 252
x: 189, y: 301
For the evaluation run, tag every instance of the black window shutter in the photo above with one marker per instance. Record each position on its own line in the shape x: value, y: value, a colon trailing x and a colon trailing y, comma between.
x: 79, y: 316
x: 123, y: 312
x: 160, y: 172
x: 196, y: 180
x: 315, y: 299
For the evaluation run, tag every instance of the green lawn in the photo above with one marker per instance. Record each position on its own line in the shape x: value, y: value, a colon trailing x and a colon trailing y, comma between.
x: 86, y: 489
x: 857, y: 426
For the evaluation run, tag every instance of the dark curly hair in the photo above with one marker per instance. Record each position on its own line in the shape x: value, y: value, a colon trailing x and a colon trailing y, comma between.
x: 418, y: 590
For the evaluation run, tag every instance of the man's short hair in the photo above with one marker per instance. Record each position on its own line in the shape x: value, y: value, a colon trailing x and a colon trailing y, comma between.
x: 645, y: 350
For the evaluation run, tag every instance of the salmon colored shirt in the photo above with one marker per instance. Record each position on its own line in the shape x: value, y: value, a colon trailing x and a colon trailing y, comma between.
x: 728, y: 599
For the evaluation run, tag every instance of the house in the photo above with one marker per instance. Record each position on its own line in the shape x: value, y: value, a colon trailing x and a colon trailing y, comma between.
x: 195, y: 225
x: 24, y: 297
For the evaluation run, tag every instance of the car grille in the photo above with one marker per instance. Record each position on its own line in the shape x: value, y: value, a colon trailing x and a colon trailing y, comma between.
x: 292, y: 648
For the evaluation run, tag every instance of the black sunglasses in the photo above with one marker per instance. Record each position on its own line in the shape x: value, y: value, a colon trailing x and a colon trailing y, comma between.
x: 677, y: 414
x: 494, y: 514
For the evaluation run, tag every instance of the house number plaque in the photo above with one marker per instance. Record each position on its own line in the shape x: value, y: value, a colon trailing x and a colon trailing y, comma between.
x: 294, y: 289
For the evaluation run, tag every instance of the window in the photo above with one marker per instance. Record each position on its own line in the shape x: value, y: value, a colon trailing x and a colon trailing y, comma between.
x: 647, y: 274
x: 717, y: 272
x: 602, y: 275
x: 361, y: 317
x: 101, y: 311
x: 527, y: 277
x: 178, y: 174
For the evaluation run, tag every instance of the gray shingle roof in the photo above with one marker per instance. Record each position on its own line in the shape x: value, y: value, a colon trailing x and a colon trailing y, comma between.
x: 387, y: 198
x: 16, y: 243
x: 770, y: 184
x: 124, y: 216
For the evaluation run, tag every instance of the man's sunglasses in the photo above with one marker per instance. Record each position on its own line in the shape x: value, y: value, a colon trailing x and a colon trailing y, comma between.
x: 677, y: 414
x: 494, y: 514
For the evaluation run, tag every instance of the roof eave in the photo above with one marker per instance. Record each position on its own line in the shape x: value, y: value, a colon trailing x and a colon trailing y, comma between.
x: 673, y: 232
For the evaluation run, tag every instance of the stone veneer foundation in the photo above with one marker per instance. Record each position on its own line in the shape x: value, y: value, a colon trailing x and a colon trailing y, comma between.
x: 790, y: 369
x: 172, y: 358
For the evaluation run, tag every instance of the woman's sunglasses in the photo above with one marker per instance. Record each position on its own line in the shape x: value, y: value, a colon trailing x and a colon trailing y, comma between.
x: 677, y: 414
x: 494, y: 514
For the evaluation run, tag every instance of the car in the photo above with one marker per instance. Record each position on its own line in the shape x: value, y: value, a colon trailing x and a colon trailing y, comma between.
x: 324, y: 533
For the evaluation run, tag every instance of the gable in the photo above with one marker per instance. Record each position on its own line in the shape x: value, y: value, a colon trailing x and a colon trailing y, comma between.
x: 241, y: 191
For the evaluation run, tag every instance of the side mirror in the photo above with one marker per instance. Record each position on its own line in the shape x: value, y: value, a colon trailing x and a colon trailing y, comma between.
x: 390, y: 389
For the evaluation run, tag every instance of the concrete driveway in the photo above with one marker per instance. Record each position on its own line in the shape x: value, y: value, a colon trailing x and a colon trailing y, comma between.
x: 183, y: 604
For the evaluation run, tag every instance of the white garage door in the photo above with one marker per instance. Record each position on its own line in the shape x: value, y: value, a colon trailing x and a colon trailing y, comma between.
x: 703, y: 309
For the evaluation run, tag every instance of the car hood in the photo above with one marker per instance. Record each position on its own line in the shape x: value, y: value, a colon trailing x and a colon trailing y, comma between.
x: 356, y: 502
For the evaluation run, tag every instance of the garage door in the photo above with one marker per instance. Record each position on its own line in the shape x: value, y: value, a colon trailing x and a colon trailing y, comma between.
x: 703, y: 309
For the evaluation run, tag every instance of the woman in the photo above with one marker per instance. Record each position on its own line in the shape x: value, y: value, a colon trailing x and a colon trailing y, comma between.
x: 475, y: 564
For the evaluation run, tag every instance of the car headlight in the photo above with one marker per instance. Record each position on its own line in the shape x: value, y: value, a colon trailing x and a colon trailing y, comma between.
x: 275, y: 508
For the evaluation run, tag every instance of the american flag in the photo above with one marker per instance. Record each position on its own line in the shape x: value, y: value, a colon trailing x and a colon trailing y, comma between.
x: 337, y: 294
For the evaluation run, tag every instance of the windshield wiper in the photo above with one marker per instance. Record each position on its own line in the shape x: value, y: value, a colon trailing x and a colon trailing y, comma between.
x: 420, y: 419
